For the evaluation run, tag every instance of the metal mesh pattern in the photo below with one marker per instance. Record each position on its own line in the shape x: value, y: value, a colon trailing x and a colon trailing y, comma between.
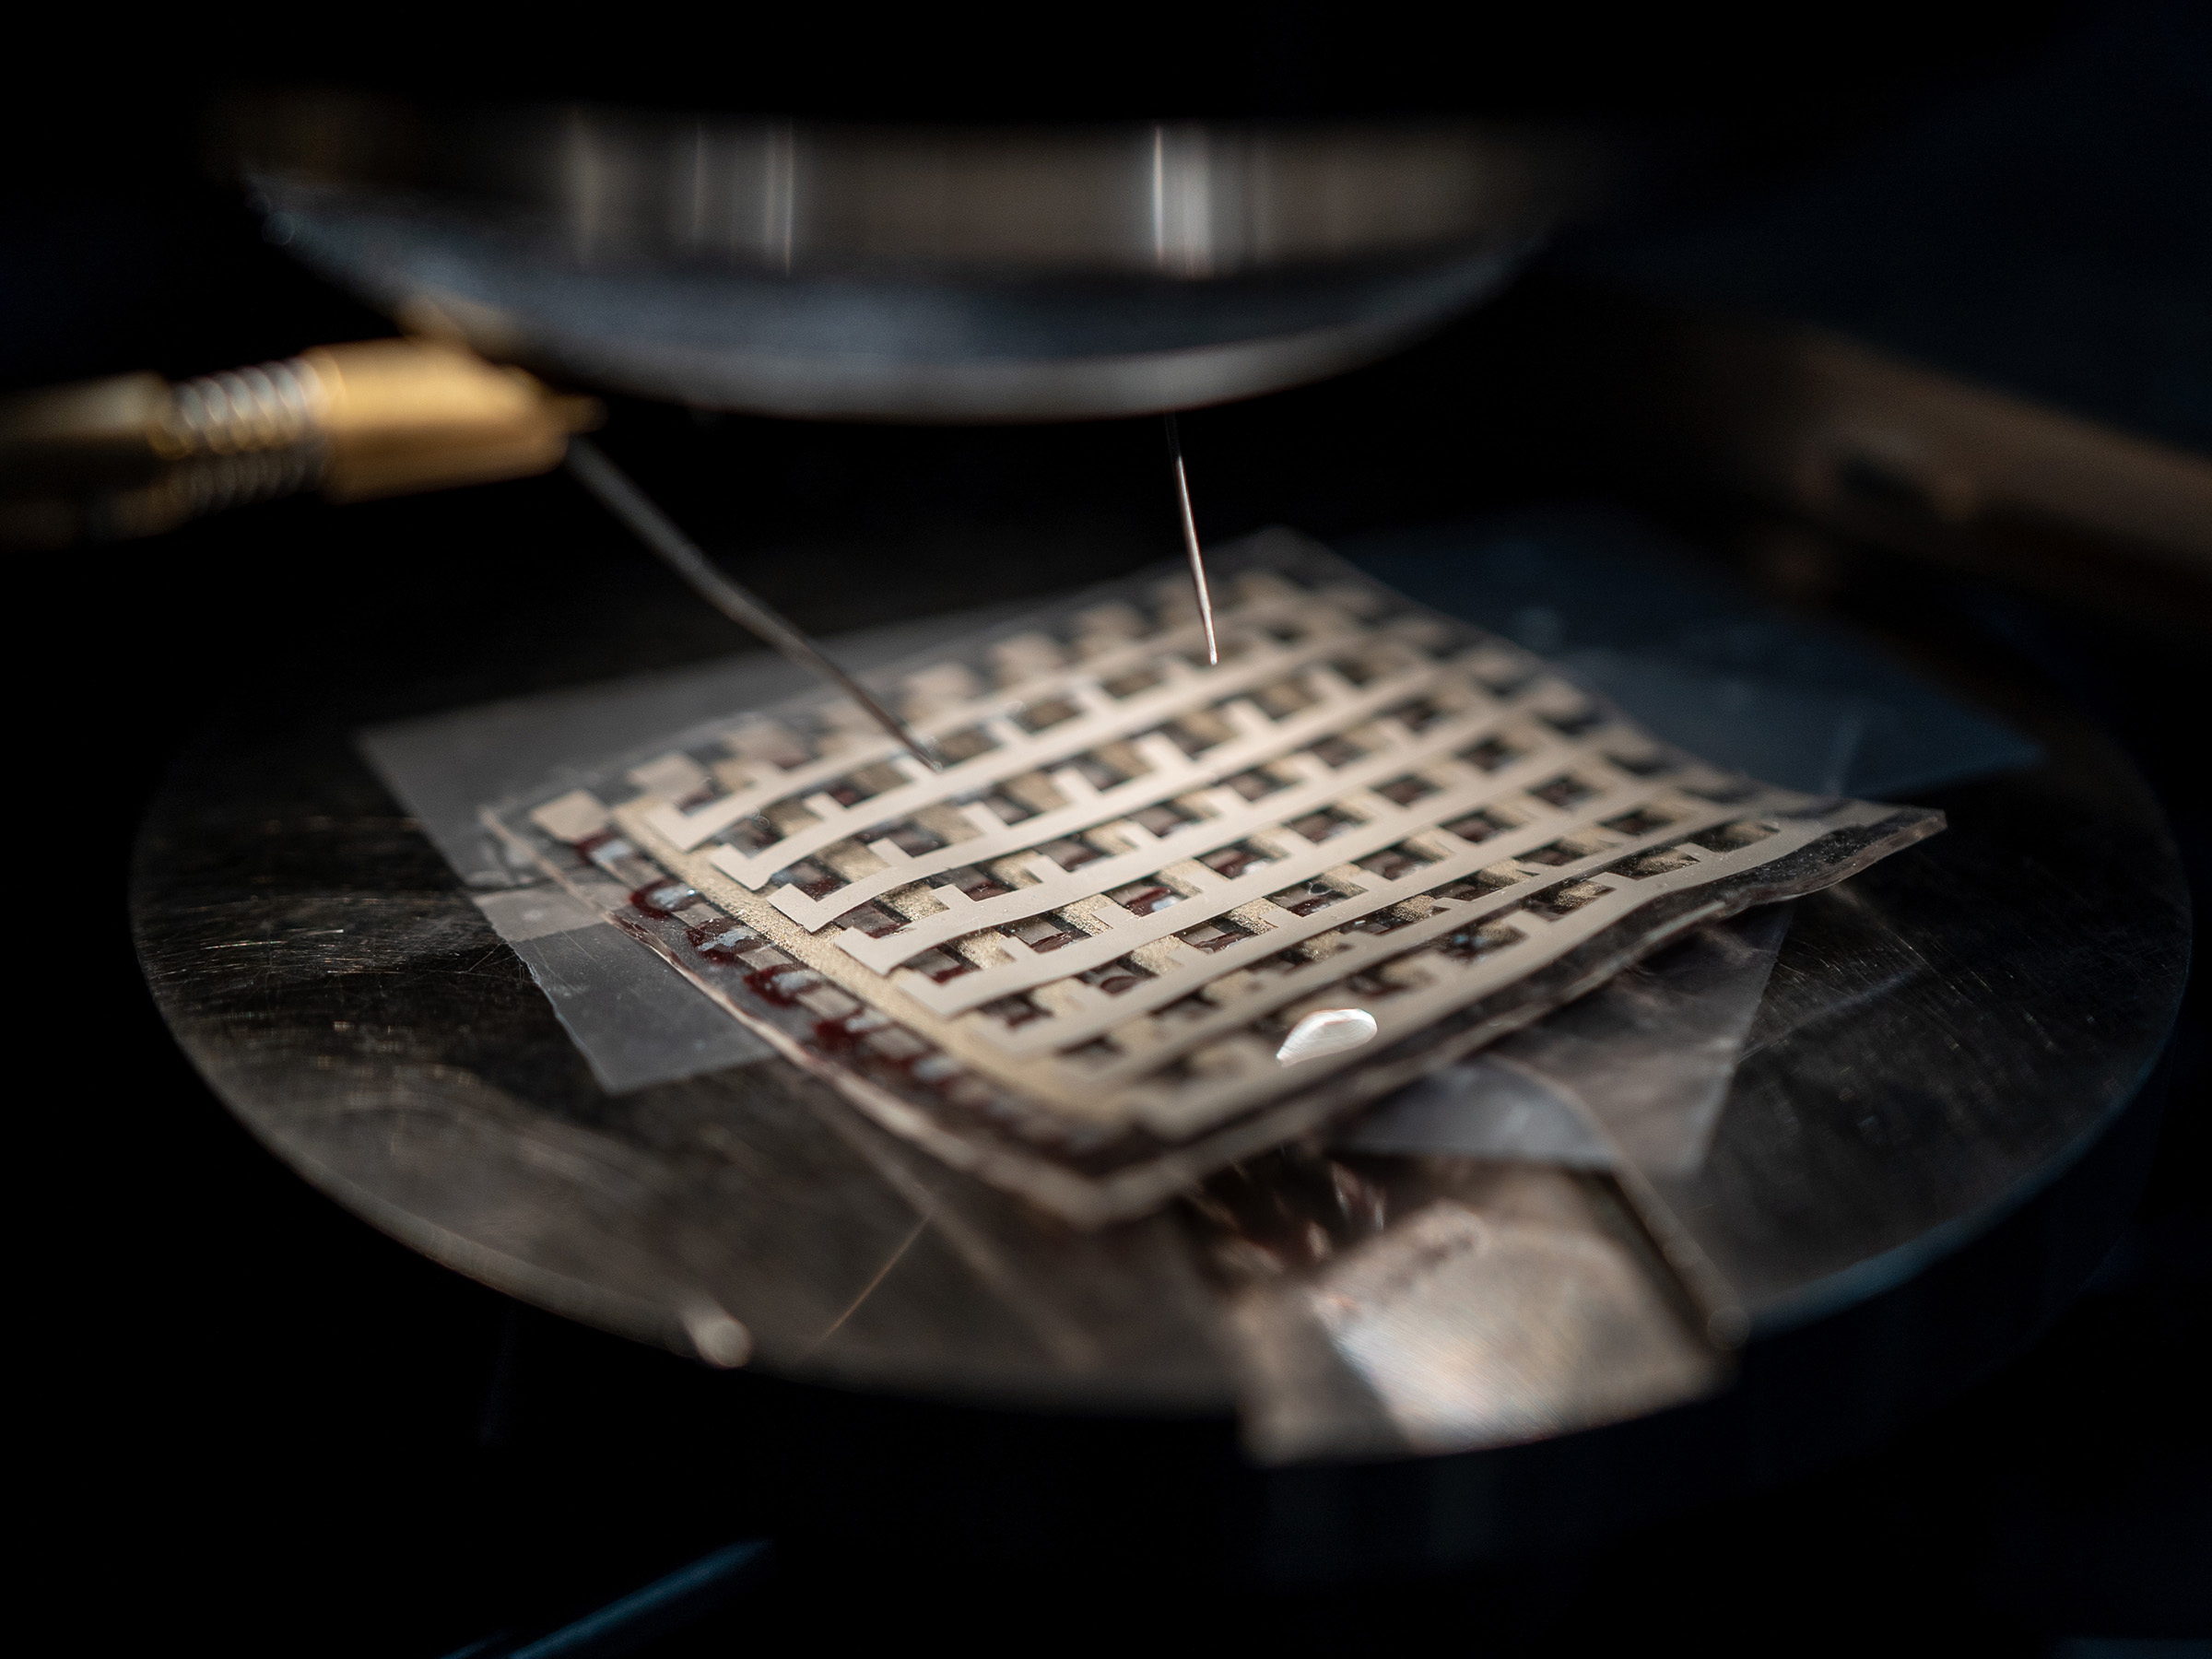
x: 1089, y: 935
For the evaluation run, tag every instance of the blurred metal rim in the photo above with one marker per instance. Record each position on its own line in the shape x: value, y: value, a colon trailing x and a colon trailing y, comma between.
x: 909, y: 272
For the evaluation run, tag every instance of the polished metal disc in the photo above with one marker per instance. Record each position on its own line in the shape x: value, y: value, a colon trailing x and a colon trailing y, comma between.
x: 911, y: 274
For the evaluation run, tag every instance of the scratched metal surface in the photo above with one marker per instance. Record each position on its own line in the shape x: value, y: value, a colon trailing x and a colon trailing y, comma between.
x: 1937, y: 1043
x: 1940, y: 1037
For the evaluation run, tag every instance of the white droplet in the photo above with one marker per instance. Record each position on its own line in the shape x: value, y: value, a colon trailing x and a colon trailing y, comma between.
x: 1326, y: 1031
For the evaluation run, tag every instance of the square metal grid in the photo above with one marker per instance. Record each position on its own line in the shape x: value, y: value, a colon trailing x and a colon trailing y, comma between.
x: 1068, y: 960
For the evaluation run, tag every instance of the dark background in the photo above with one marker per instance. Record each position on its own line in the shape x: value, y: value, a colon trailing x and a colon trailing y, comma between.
x: 256, y: 1423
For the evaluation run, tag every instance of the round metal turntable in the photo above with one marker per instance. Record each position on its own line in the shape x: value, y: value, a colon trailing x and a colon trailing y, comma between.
x: 1923, y: 1151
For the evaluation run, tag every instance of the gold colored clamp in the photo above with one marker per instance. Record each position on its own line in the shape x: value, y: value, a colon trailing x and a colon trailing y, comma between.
x: 134, y: 455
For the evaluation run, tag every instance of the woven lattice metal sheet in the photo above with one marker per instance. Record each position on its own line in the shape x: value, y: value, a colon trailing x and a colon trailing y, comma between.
x: 1070, y: 959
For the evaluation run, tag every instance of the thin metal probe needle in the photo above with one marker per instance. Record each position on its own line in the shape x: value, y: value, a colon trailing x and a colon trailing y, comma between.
x: 1190, y: 545
x: 615, y: 492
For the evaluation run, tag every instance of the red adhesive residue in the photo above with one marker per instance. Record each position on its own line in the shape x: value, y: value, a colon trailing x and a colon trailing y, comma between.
x: 722, y: 939
x: 1145, y: 900
x: 782, y: 985
x: 662, y: 898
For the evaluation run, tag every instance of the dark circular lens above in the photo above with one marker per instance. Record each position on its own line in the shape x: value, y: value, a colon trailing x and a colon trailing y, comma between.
x: 909, y: 273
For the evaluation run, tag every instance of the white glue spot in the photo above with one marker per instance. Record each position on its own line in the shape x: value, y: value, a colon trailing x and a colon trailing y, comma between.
x: 1326, y: 1031
x: 719, y: 1339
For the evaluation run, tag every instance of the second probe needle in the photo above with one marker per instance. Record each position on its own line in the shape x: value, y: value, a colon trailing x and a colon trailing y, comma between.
x: 615, y: 492
x: 1190, y: 545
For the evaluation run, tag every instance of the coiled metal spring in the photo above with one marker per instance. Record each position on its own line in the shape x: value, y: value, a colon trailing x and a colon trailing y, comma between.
x: 245, y: 411
x: 245, y: 435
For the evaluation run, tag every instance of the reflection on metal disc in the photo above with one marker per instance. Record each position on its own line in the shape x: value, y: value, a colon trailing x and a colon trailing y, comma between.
x: 719, y: 1340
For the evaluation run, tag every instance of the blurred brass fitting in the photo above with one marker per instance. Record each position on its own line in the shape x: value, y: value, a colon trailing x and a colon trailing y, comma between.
x: 112, y: 459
